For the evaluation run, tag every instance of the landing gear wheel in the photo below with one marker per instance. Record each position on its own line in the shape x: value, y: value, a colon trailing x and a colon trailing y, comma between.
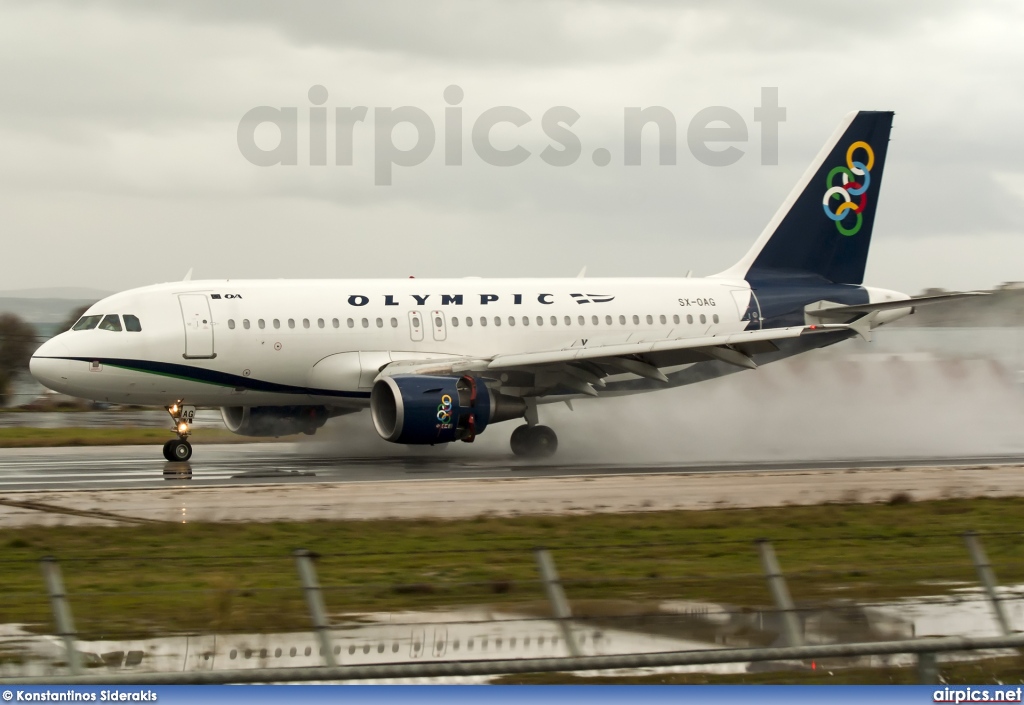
x: 168, y: 452
x: 534, y: 442
x: 180, y: 450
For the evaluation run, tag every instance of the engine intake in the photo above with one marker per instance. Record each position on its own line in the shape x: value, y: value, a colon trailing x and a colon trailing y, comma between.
x: 274, y: 420
x: 421, y: 410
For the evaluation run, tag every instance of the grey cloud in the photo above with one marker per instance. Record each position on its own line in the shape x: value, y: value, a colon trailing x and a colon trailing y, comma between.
x: 517, y: 32
x: 118, y: 125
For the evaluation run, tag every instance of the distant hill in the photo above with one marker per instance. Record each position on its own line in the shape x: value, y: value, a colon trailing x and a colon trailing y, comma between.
x: 42, y: 312
x: 76, y: 293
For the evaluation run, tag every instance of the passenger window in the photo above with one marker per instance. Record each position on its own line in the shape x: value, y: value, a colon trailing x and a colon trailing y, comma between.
x: 469, y: 321
x: 636, y: 320
x: 231, y: 323
x: 608, y: 320
x: 483, y: 321
x: 663, y: 319
x: 581, y: 320
x: 455, y: 321
x: 650, y: 319
x: 87, y: 323
x: 245, y: 323
x: 305, y: 323
x: 689, y: 318
x: 568, y: 320
x: 497, y: 320
x: 366, y: 323
x: 111, y: 322
x: 622, y: 320
x: 715, y: 318
x: 291, y: 322
x: 319, y: 323
x: 261, y: 324
x: 675, y: 318
x: 554, y: 320
x: 133, y: 325
x: 277, y: 323
x: 351, y: 323
x: 380, y: 322
x: 335, y: 322
x: 540, y: 320
x: 394, y: 323
x: 595, y: 320
x: 703, y: 318
x: 526, y: 320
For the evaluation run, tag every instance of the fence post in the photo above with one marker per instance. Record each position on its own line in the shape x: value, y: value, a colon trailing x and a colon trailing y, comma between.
x: 556, y: 596
x: 927, y: 668
x: 987, y: 577
x: 61, y: 611
x: 315, y: 602
x: 780, y: 593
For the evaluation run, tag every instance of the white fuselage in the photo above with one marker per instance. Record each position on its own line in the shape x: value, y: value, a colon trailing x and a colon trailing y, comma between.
x: 272, y: 334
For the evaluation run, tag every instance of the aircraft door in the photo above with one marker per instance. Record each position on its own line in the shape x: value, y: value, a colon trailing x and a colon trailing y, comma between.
x: 195, y: 312
x: 439, y: 324
x: 748, y: 307
x: 416, y: 326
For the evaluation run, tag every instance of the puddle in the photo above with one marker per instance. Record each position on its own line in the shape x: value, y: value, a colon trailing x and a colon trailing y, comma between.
x: 481, y: 634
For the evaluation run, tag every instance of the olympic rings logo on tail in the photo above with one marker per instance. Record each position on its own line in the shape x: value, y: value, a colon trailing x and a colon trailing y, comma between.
x: 444, y: 409
x: 856, y: 178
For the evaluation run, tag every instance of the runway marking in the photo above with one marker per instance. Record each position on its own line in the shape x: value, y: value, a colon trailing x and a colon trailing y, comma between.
x: 92, y: 514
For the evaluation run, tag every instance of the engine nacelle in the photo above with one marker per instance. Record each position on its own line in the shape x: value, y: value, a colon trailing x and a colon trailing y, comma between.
x: 420, y: 409
x: 274, y: 420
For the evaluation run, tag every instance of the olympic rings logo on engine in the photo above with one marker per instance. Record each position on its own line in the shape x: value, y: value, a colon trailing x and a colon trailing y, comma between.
x: 856, y: 178
x: 444, y: 409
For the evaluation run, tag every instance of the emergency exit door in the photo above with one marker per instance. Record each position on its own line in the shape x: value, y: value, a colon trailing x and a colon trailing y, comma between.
x: 195, y: 311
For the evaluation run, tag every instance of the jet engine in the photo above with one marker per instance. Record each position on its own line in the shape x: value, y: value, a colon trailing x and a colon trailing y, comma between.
x: 421, y: 409
x: 274, y: 420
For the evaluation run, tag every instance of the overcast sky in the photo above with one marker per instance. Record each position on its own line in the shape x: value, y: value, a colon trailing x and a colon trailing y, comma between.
x: 120, y: 163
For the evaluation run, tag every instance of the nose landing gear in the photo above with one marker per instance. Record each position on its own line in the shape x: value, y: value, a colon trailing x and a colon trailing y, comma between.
x: 179, y: 449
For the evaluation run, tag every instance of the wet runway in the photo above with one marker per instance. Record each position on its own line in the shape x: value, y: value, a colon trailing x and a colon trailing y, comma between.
x: 301, y: 482
x: 141, y: 467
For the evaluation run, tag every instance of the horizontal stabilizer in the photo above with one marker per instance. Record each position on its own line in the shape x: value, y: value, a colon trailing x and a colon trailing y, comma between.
x: 827, y: 310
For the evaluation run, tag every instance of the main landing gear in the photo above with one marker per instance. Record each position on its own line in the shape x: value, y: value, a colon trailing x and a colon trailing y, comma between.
x: 534, y: 442
x: 179, y: 449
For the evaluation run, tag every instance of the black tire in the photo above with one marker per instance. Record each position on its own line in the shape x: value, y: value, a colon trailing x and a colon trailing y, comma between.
x: 534, y: 442
x: 168, y: 453
x: 520, y: 441
x: 181, y: 450
x: 544, y: 442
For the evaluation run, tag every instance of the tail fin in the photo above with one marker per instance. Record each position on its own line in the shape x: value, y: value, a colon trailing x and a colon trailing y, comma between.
x: 823, y: 229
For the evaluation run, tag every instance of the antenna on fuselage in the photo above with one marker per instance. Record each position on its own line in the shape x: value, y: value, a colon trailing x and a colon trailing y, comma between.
x: 188, y: 275
x: 583, y: 272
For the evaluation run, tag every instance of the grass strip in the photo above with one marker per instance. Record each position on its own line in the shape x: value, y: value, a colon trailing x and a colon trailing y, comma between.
x: 18, y: 437
x: 155, y: 579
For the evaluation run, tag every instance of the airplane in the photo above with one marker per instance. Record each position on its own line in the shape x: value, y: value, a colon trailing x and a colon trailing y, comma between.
x: 440, y: 360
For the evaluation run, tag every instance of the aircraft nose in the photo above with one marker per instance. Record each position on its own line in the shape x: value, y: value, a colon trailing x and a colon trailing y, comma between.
x: 49, y: 365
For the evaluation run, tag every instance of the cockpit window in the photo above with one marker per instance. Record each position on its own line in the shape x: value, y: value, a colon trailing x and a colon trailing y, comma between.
x: 132, y: 323
x: 110, y: 322
x: 86, y: 323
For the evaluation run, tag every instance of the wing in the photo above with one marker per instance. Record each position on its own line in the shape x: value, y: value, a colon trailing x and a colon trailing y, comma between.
x: 583, y: 369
